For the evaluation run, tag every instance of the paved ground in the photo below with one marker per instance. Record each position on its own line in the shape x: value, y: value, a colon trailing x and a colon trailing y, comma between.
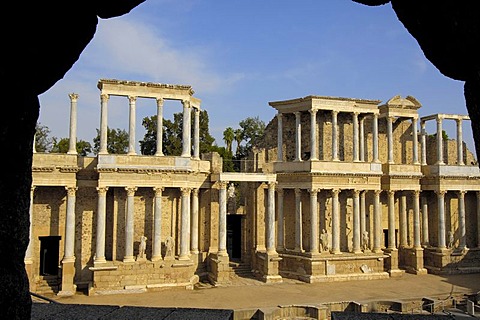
x: 249, y: 293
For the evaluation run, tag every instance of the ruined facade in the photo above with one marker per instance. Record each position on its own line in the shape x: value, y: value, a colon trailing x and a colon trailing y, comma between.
x: 341, y: 189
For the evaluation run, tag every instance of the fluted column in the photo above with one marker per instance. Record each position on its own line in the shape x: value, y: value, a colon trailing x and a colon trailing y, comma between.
x: 314, y: 221
x: 298, y: 136
x: 194, y: 222
x: 186, y: 142
x: 362, y: 138
x: 377, y: 223
x: 131, y: 125
x: 196, y: 135
x: 441, y: 219
x: 461, y: 220
x: 391, y: 220
x: 334, y: 135
x: 356, y: 222
x: 459, y: 143
x: 298, y: 220
x: 280, y: 137
x: 101, y: 225
x: 375, y: 138
x: 403, y: 220
x: 416, y: 220
x: 129, y: 225
x: 270, y: 223
x: 313, y: 135
x: 29, y: 251
x: 390, y: 139
x: 103, y: 124
x: 72, y: 147
x: 415, y: 141
x: 425, y: 235
x: 335, y: 222
x: 185, y: 224
x: 157, y: 225
x: 355, y: 136
x: 159, y: 151
x: 222, y: 219
x: 280, y: 221
x: 423, y: 137
x: 69, y: 254
x: 439, y: 141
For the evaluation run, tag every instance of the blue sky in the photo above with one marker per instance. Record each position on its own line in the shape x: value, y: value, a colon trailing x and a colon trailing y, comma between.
x: 239, y: 55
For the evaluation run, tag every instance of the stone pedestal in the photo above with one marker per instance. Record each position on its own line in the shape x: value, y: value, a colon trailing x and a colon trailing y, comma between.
x: 417, y: 262
x: 68, y: 275
x: 269, y: 267
x: 219, y: 271
x: 391, y: 263
x: 29, y: 270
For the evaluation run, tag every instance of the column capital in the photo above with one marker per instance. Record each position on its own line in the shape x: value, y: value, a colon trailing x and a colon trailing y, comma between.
x: 461, y: 193
x: 195, y: 191
x: 32, y: 188
x: 102, y: 190
x: 335, y: 112
x: 222, y: 184
x: 356, y: 192
x: 104, y: 97
x: 158, y: 190
x: 459, y: 122
x: 297, y: 113
x: 313, y: 111
x: 313, y: 191
x: 130, y: 190
x: 71, y: 190
x: 73, y: 97
x: 186, y: 103
x: 132, y: 99
x: 185, y: 191
x: 336, y: 191
x: 440, y: 192
x: 160, y: 102
x: 272, y: 184
x: 391, y: 192
x: 279, y: 115
x: 416, y: 193
x: 377, y: 192
x: 439, y: 119
x: 298, y: 191
x: 280, y: 191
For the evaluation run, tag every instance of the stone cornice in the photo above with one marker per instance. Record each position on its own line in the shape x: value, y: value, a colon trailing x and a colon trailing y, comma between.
x: 144, y: 84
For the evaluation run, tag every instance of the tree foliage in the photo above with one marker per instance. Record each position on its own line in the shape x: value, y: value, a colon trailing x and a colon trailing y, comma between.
x: 43, y: 142
x: 83, y: 147
x: 117, y: 141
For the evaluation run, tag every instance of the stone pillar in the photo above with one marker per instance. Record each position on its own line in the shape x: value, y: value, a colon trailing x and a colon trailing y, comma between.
x: 390, y: 140
x: 34, y: 143
x: 423, y: 143
x: 461, y: 220
x: 313, y: 135
x: 415, y: 141
x: 335, y: 222
x: 425, y: 235
x: 355, y: 136
x: 375, y: 138
x: 334, y: 136
x: 103, y: 124
x: 129, y: 225
x: 196, y: 135
x: 222, y: 219
x: 441, y: 220
x: 403, y: 221
x: 416, y: 220
x: 460, y: 161
x: 478, y: 219
x: 298, y: 220
x: 298, y: 136
x: 186, y: 143
x: 194, y: 222
x: 157, y: 225
x: 313, y: 221
x: 391, y: 220
x: 363, y: 216
x: 280, y: 137
x: 101, y: 225
x: 159, y: 151
x: 131, y: 125
x: 68, y: 261
x: 439, y: 141
x: 377, y: 223
x: 280, y: 221
x: 270, y: 223
x: 362, y: 138
x: 185, y: 224
x: 356, y: 222
x: 72, y: 147
x: 29, y: 251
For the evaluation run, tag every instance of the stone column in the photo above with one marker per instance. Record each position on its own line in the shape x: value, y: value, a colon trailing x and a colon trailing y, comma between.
x: 186, y: 142
x: 129, y: 225
x: 461, y: 220
x: 459, y: 143
x: 103, y: 124
x: 194, y: 222
x: 29, y: 252
x: 313, y: 221
x: 159, y: 151
x: 375, y: 138
x: 270, y: 223
x: 335, y: 222
x: 69, y: 255
x: 478, y: 219
x: 280, y: 221
x: 423, y: 142
x: 313, y: 135
x: 34, y: 143
x: 185, y: 224
x: 222, y: 219
x: 441, y: 220
x: 101, y: 225
x: 157, y: 225
x: 334, y: 135
x: 72, y: 148
x: 280, y: 137
x: 377, y: 223
x: 403, y: 221
x: 416, y: 220
x: 196, y: 135
x: 425, y: 235
x: 391, y: 220
x: 298, y: 220
x: 415, y: 141
x: 363, y: 216
x: 439, y: 141
x: 362, y: 138
x: 390, y: 140
x: 298, y: 136
x: 131, y: 125
x: 356, y: 222
x: 355, y: 136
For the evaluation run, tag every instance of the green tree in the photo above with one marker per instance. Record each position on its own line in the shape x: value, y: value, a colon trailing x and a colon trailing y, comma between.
x: 43, y: 142
x: 117, y: 141
x: 83, y: 148
x: 228, y: 136
x: 253, y: 129
x: 238, y: 137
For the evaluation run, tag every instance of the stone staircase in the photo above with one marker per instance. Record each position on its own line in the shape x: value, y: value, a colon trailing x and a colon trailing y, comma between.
x: 241, y: 270
x: 47, y: 285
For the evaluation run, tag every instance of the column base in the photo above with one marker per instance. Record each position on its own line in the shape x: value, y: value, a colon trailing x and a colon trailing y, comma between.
x: 68, y: 275
x: 156, y: 258
x: 128, y: 259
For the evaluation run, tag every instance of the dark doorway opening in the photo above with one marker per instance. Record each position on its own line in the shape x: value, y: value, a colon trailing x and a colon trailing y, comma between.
x: 49, y: 252
x: 385, y: 237
x: 234, y: 236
